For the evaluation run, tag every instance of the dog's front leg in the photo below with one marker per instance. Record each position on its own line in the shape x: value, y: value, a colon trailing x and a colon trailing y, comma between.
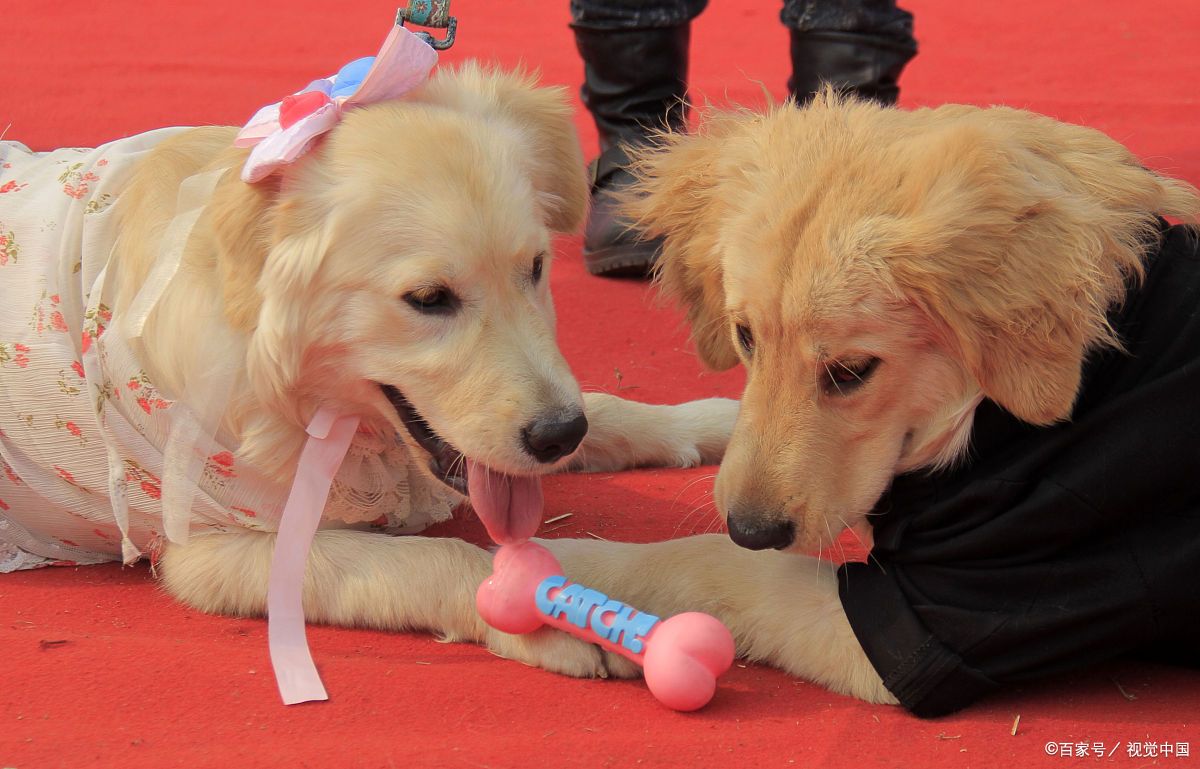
x: 624, y: 434
x: 359, y: 579
x: 782, y: 609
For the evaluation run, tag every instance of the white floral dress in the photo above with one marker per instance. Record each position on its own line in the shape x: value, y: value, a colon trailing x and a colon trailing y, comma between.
x: 82, y: 428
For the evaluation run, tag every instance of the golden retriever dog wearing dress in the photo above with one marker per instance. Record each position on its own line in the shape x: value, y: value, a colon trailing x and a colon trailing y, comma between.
x: 455, y: 193
x: 399, y: 272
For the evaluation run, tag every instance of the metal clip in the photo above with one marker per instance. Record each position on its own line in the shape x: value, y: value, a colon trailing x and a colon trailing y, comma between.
x: 434, y: 14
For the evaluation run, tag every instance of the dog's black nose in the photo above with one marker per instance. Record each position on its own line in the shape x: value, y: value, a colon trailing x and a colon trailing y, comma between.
x: 549, y: 440
x: 754, y: 533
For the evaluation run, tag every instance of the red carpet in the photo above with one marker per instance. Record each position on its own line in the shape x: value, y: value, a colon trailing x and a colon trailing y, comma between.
x: 98, y: 668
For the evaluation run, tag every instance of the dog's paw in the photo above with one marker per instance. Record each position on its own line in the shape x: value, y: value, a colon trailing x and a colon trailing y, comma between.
x: 558, y: 652
x: 619, y: 667
x: 625, y: 434
x: 702, y: 430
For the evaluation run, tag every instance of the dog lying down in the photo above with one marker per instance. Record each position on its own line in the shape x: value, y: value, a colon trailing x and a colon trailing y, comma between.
x: 399, y: 272
x: 968, y: 328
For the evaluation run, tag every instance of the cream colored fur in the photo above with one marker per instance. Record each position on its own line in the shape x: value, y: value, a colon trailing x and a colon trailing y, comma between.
x: 296, y: 285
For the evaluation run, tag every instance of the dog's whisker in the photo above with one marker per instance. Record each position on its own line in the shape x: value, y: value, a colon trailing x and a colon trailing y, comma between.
x: 870, y: 556
x: 695, y: 509
x: 828, y: 531
x: 853, y: 533
x: 698, y: 510
x: 709, y: 477
x: 459, y: 463
x: 818, y: 559
x: 853, y: 373
x: 832, y: 378
x: 690, y: 514
x: 714, y: 518
x: 843, y: 520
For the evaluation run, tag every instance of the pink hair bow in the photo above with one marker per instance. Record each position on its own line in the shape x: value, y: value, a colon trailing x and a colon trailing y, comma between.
x: 280, y: 133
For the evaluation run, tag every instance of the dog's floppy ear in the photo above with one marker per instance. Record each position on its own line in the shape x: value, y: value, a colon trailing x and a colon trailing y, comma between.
x: 241, y: 225
x: 679, y: 197
x: 303, y: 232
x: 542, y: 118
x: 269, y: 249
x: 1024, y: 232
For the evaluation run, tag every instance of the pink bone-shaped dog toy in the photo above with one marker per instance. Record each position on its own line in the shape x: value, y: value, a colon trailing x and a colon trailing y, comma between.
x: 682, y: 656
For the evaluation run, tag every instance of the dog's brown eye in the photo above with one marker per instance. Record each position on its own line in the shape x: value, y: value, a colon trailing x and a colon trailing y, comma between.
x: 745, y: 338
x: 536, y: 274
x: 432, y: 301
x: 845, y: 376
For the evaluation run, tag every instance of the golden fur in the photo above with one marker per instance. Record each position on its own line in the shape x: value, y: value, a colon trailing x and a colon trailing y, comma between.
x: 299, y: 282
x: 973, y: 252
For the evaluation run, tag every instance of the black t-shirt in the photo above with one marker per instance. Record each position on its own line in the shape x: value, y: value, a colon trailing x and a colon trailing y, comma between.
x: 1052, y: 548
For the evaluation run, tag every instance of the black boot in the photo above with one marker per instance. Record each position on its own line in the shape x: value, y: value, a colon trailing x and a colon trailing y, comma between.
x: 864, y: 65
x: 634, y: 83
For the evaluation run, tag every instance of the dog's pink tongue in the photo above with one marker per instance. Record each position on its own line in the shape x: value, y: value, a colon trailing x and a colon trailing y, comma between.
x: 509, y: 506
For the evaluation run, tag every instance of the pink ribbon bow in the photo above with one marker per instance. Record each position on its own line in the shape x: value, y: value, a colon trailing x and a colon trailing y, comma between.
x: 279, y: 133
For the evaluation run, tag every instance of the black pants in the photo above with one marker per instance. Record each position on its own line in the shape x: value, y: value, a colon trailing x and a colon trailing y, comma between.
x: 878, y: 17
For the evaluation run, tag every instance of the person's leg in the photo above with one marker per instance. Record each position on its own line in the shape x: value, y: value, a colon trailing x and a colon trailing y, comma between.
x: 635, y: 78
x: 858, y: 46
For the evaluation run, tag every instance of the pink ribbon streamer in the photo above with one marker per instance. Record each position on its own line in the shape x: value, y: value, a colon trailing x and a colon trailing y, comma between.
x: 329, y: 439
